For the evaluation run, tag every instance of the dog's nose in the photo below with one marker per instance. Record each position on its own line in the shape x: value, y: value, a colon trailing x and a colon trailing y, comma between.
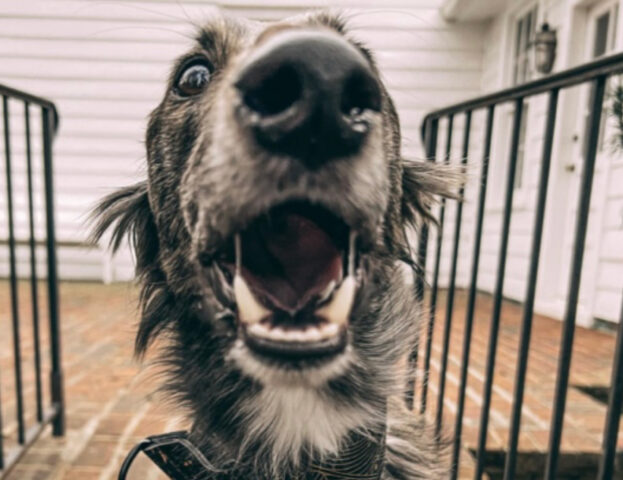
x: 308, y: 94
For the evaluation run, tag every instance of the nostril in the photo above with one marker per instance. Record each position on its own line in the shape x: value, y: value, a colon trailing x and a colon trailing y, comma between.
x: 361, y: 92
x: 308, y: 94
x: 276, y: 92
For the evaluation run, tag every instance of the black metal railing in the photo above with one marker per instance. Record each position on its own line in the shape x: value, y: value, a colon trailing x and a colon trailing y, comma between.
x: 45, y: 414
x: 594, y: 74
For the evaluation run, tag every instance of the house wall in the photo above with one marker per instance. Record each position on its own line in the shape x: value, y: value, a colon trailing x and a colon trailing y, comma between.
x: 105, y: 63
x: 602, y: 281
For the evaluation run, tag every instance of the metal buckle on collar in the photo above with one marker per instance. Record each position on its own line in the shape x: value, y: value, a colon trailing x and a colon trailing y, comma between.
x: 174, y: 454
x: 177, y: 457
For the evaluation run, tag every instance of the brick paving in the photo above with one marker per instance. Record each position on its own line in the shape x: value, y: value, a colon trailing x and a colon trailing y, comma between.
x: 584, y: 416
x: 111, y: 402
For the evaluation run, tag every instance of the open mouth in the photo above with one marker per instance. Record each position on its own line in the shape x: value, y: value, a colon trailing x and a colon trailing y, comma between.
x: 294, y: 281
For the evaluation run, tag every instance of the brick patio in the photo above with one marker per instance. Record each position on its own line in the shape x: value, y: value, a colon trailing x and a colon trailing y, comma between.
x: 111, y: 405
x: 110, y: 401
x: 584, y: 416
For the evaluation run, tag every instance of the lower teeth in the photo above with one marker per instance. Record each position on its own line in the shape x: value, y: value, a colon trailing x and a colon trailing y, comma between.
x: 309, y: 335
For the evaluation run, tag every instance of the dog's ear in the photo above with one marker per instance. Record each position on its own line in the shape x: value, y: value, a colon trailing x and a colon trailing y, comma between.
x: 423, y: 183
x: 127, y: 212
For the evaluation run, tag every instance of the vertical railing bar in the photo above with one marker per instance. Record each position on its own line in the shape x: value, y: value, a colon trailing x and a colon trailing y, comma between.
x: 497, y: 296
x: 615, y: 401
x: 33, y: 268
x: 452, y: 281
x: 420, y: 273
x: 471, y: 301
x: 56, y: 374
x: 566, y: 346
x: 13, y: 277
x: 528, y: 309
x: 435, y: 284
x: 1, y: 430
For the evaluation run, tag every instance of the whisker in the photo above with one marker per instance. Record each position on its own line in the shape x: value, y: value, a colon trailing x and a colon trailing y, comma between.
x: 357, y: 13
x: 185, y: 12
x: 140, y: 27
x: 135, y: 7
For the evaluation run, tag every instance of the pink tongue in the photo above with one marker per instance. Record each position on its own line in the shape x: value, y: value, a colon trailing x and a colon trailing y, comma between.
x: 302, y: 260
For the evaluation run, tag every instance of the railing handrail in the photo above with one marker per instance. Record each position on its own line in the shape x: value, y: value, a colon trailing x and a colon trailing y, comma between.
x: 566, y: 78
x: 16, y: 94
x: 54, y: 413
x: 594, y: 74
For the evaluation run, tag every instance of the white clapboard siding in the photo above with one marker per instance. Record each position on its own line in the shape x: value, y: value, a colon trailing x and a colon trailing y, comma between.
x: 607, y: 304
x: 104, y: 63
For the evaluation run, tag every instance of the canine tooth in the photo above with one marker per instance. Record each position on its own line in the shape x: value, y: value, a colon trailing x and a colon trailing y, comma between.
x: 338, y: 309
x: 327, y: 291
x: 249, y: 309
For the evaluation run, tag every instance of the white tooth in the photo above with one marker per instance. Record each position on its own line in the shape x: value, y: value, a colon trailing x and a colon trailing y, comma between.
x: 327, y: 291
x: 338, y: 309
x: 249, y: 309
x: 278, y: 334
x: 312, y: 334
x: 301, y: 336
x: 294, y: 336
x: 329, y: 330
x: 258, y: 330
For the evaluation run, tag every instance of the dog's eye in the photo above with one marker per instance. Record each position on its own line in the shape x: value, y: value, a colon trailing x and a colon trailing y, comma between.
x: 193, y: 79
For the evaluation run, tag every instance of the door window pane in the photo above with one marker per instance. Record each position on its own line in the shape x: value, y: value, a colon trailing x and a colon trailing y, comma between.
x: 601, y: 35
x: 525, y: 27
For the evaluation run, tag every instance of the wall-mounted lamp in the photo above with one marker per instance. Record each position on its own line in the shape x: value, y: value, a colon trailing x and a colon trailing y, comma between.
x: 544, y: 49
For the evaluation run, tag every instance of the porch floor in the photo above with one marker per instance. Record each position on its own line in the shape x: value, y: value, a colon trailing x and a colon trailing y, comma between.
x: 109, y: 397
x: 111, y: 404
x: 584, y: 415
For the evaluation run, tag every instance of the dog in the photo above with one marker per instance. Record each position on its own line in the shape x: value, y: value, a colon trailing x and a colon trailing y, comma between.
x: 270, y: 240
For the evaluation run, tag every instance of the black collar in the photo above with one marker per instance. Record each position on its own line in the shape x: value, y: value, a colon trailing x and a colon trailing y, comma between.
x: 362, y: 457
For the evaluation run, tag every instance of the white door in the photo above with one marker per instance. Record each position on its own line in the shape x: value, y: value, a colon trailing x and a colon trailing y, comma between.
x: 601, y: 41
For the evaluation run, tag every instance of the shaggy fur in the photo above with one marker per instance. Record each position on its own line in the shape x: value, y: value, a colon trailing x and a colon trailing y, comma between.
x: 206, y: 179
